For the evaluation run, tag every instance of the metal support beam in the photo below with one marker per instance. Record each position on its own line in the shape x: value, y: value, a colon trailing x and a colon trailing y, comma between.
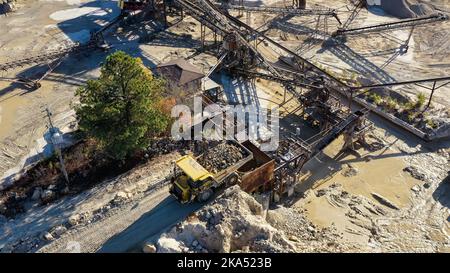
x: 431, y: 96
x: 281, y: 10
x: 401, y: 83
x: 392, y: 25
x: 202, y: 34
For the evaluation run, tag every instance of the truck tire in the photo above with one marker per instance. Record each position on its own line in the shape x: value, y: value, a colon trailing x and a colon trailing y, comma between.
x: 205, y: 195
x: 232, y: 180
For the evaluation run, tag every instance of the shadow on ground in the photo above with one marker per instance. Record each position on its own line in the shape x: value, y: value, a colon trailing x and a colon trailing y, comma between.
x: 442, y: 193
x: 151, y: 224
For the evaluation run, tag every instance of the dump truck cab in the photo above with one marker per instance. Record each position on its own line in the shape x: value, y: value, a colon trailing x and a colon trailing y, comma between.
x: 190, y: 179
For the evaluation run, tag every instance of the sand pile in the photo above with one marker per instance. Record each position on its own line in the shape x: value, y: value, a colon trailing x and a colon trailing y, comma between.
x: 406, y: 8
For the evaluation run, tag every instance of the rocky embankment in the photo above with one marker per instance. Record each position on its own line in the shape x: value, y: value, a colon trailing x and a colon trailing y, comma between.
x: 237, y: 222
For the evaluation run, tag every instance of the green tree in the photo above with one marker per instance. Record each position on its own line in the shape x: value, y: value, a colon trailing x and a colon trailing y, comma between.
x: 122, y: 108
x: 421, y: 99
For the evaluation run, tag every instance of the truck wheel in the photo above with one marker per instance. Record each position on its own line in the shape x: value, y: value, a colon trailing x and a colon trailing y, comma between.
x: 205, y: 195
x: 232, y: 180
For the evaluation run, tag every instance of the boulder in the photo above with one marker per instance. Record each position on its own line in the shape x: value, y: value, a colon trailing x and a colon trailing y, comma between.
x: 311, y: 229
x: 122, y: 195
x: 293, y: 238
x: 168, y: 245
x: 191, y: 232
x: 74, y: 220
x: 48, y: 236
x: 47, y: 195
x: 149, y: 248
x: 59, y: 230
x: 415, y: 188
x: 120, y: 198
x: 414, y: 172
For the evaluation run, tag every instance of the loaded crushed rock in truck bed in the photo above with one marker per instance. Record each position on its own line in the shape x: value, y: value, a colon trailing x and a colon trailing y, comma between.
x: 236, y: 222
x: 221, y: 157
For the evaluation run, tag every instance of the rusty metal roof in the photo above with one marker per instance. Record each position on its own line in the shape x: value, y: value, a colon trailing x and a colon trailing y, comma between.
x: 188, y: 71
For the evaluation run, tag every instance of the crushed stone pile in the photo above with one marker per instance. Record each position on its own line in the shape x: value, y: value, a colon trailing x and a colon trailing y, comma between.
x: 406, y: 8
x: 421, y: 9
x: 221, y: 156
x: 236, y: 222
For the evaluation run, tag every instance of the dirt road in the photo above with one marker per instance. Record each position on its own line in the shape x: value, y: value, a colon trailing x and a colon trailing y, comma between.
x: 137, y: 200
x: 127, y: 228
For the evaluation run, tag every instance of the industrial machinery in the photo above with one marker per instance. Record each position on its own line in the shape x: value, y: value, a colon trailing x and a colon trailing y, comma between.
x: 194, y: 179
x: 132, y: 5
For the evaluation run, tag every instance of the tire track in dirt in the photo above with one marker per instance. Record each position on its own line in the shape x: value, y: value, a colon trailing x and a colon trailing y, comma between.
x: 127, y: 227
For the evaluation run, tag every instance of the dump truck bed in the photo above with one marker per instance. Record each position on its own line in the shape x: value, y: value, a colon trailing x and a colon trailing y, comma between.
x: 224, y: 158
x: 257, y: 175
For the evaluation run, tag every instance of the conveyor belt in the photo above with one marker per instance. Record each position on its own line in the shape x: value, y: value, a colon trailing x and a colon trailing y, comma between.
x: 394, y: 25
x: 284, y: 10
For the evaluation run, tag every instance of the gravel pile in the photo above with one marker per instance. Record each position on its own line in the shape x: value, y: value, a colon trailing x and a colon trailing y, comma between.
x: 406, y: 8
x: 220, y: 157
x: 236, y: 222
x: 233, y: 223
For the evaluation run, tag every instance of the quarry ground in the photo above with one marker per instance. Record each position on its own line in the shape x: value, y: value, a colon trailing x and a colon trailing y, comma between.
x: 364, y: 201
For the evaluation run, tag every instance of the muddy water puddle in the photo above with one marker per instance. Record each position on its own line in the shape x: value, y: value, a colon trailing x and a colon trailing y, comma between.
x: 379, y: 172
x: 369, y: 172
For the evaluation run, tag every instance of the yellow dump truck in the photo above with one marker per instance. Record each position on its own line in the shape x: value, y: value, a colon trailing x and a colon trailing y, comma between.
x: 192, y: 181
